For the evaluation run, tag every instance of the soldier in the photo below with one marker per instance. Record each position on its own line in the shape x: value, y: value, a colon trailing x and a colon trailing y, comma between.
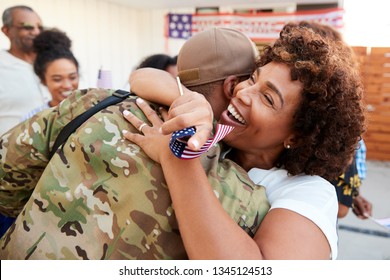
x: 102, y: 197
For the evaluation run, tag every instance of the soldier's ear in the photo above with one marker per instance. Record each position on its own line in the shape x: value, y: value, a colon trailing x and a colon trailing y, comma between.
x: 228, y: 86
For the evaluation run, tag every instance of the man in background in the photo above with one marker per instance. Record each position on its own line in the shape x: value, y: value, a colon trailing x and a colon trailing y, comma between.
x: 20, y: 89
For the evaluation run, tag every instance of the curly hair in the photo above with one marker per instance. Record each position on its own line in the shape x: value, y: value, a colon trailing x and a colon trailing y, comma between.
x: 51, y: 45
x: 330, y: 119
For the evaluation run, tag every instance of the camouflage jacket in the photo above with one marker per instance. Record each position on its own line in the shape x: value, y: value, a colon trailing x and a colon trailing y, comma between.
x: 101, y: 197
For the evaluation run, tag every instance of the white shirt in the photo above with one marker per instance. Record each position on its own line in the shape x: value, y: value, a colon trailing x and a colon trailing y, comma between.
x: 20, y: 90
x: 310, y: 196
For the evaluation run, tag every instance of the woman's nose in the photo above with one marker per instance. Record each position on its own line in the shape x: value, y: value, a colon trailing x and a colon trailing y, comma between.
x: 67, y: 85
x: 245, y: 96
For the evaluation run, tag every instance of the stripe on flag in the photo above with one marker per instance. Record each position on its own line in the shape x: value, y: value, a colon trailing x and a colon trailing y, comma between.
x: 178, y: 142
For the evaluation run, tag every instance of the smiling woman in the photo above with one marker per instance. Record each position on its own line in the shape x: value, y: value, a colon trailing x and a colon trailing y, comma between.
x: 297, y: 120
x: 55, y: 64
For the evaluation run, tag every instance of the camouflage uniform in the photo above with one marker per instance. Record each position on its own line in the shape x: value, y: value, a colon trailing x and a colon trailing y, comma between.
x: 101, y: 197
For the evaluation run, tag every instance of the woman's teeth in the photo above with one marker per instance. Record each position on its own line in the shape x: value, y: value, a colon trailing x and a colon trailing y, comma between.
x: 236, y: 115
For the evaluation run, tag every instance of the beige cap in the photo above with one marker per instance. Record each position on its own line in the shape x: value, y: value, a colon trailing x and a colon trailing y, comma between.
x: 214, y: 54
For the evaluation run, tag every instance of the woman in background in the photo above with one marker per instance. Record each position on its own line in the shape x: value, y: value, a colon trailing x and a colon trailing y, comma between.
x: 56, y: 67
x: 55, y: 64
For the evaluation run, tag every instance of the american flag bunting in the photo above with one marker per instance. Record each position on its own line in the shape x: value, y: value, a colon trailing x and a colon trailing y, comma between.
x: 179, y: 26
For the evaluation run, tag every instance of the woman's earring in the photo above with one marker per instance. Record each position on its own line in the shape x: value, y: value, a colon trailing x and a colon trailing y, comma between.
x: 288, y: 146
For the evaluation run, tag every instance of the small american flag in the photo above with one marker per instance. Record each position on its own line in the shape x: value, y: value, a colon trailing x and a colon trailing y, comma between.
x: 179, y: 26
x: 178, y: 143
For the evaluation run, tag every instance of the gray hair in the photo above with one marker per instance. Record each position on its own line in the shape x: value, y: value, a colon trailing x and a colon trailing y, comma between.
x: 7, y: 14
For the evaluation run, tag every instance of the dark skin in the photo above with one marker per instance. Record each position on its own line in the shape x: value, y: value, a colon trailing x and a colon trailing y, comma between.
x: 21, y: 39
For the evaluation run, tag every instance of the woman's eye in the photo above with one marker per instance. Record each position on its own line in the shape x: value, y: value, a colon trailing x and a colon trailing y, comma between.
x: 268, y: 99
x: 252, y: 78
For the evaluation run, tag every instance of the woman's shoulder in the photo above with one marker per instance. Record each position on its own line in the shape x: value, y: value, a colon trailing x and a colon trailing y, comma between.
x: 279, y: 183
x: 309, y: 196
x: 279, y: 176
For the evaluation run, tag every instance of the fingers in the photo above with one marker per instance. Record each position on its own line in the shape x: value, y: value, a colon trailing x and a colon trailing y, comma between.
x: 362, y: 208
x: 192, y: 109
x: 136, y: 122
x: 199, y: 138
x: 133, y: 137
x: 148, y: 111
x: 163, y: 113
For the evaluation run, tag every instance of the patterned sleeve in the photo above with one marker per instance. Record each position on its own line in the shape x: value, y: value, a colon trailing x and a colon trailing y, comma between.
x: 24, y: 150
x: 347, y: 185
x: 361, y: 160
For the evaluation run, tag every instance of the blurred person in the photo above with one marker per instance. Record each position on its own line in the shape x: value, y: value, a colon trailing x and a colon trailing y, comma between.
x: 361, y: 160
x: 56, y: 67
x: 361, y: 207
x: 55, y: 64
x: 162, y: 62
x: 21, y: 25
x: 20, y: 89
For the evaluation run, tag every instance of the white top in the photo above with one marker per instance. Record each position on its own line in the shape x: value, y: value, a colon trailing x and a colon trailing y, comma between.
x: 310, y: 196
x: 20, y: 90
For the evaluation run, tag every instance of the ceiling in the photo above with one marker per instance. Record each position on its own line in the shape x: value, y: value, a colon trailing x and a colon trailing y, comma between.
x: 168, y: 4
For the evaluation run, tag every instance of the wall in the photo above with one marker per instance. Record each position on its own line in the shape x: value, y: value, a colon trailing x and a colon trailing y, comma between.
x: 375, y: 70
x: 107, y: 34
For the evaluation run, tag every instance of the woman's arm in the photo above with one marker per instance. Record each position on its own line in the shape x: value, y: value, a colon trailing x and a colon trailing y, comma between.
x: 155, y: 85
x: 209, y: 233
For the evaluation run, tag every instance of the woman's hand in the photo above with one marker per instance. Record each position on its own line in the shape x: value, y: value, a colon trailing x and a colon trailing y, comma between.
x: 154, y: 144
x: 190, y: 109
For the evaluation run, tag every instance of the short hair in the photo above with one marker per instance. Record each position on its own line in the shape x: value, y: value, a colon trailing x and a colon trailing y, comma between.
x: 50, y: 45
x: 330, y: 118
x: 7, y: 14
x: 158, y: 61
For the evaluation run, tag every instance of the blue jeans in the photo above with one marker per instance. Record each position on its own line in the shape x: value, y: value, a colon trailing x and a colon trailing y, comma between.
x: 5, y: 223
